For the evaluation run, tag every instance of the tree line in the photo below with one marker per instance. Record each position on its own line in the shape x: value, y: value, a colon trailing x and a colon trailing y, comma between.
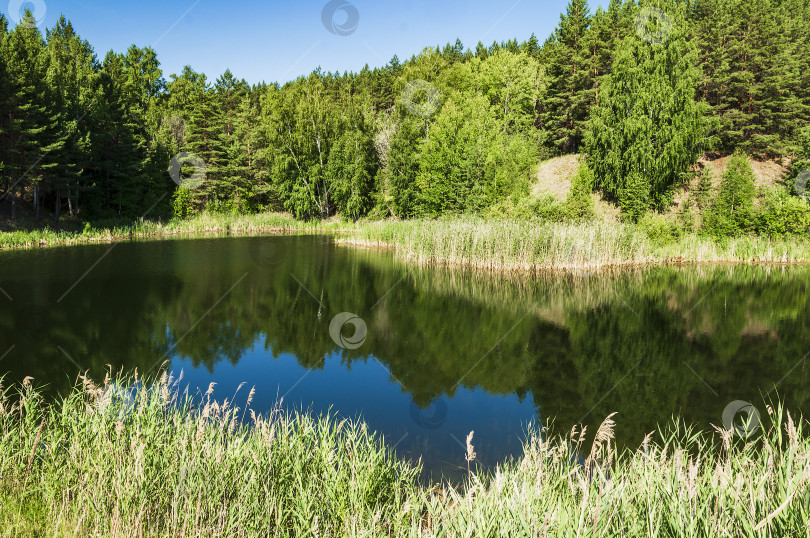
x: 642, y: 89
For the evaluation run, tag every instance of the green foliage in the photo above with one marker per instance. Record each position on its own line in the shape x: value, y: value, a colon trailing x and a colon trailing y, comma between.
x: 798, y: 179
x: 350, y: 169
x: 93, y: 137
x: 732, y: 211
x: 473, y: 149
x: 580, y: 205
x: 804, y: 142
x: 577, y: 207
x: 634, y: 196
x: 703, y: 192
x: 181, y: 203
x: 647, y: 130
x: 753, y: 56
x: 660, y: 229
x: 545, y: 208
x: 568, y: 96
x: 687, y: 218
x: 783, y: 215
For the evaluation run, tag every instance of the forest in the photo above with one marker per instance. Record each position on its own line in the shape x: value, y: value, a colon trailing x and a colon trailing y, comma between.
x: 641, y: 90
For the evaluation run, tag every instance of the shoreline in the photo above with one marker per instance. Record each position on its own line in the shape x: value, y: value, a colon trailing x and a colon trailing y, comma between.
x: 499, y: 247
x: 593, y: 269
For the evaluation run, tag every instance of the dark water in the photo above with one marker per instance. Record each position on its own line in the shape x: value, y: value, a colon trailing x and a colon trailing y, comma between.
x: 444, y: 352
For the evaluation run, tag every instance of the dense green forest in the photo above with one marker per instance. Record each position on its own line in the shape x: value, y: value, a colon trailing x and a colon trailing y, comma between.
x: 642, y: 90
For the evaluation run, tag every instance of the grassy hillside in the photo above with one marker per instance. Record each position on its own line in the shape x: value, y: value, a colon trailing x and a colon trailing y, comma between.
x: 554, y: 178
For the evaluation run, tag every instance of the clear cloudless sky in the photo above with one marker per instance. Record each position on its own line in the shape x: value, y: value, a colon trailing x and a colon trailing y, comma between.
x: 278, y: 41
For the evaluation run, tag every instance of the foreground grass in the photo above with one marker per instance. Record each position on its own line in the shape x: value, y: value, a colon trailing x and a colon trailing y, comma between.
x: 149, y: 461
x: 505, y: 245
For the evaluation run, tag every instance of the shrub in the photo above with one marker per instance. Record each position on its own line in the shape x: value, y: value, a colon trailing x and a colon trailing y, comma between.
x: 732, y: 211
x: 686, y: 217
x: 783, y: 215
x: 660, y: 229
x: 799, y: 176
x: 703, y: 192
x: 549, y: 208
x: 579, y: 204
x: 181, y: 203
x: 634, y: 197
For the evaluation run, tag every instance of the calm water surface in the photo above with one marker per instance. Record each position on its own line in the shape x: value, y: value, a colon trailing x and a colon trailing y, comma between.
x: 438, y: 353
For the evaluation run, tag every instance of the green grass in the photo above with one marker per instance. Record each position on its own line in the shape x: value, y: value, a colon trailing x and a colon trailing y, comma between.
x: 504, y: 245
x: 535, y: 246
x: 206, y: 223
x: 154, y: 462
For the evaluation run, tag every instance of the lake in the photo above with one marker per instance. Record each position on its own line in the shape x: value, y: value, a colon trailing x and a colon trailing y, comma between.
x: 424, y: 356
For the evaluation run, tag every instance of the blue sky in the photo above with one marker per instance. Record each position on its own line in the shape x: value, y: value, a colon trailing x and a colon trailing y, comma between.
x: 277, y: 41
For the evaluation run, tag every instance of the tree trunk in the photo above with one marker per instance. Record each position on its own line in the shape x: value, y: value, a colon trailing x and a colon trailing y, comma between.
x: 57, y: 210
x: 70, y: 204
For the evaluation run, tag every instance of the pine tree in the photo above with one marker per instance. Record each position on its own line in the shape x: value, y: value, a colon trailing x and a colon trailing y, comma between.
x: 116, y: 158
x: 783, y: 109
x: 531, y: 47
x: 566, y: 102
x: 752, y: 54
x: 144, y: 89
x: 481, y: 51
x: 242, y: 170
x: 5, y: 111
x: 200, y: 106
x: 32, y: 128
x: 703, y: 193
x: 711, y: 26
x: 600, y: 44
x: 72, y: 76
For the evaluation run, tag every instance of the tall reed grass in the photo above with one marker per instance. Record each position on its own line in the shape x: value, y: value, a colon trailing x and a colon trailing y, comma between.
x: 535, y: 246
x: 205, y: 223
x: 507, y: 245
x: 129, y: 458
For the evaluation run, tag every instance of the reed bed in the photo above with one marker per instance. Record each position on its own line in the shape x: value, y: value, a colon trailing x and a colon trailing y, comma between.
x: 147, y: 460
x: 537, y: 246
x: 204, y: 223
x: 130, y: 458
x: 497, y: 245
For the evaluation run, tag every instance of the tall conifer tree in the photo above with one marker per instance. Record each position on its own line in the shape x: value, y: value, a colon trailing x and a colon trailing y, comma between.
x: 566, y: 102
x: 648, y: 130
